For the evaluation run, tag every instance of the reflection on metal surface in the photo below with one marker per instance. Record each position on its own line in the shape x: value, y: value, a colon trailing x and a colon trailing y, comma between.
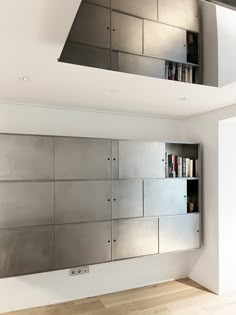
x: 83, y: 244
x: 134, y: 30
x: 24, y: 251
x: 178, y: 233
x: 135, y: 237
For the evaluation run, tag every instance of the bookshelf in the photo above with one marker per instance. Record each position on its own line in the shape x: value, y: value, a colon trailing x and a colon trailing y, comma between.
x: 182, y: 161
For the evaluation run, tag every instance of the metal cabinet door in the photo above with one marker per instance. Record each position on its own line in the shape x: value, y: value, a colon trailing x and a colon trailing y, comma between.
x: 84, y: 55
x: 26, y: 204
x: 181, y: 13
x: 81, y: 158
x: 91, y: 26
x: 26, y: 251
x: 126, y: 33
x: 140, y: 65
x: 134, y: 237
x: 179, y: 233
x: 83, y: 244
x: 127, y: 199
x: 159, y: 40
x: 82, y: 201
x: 165, y: 197
x: 104, y: 3
x: 26, y: 157
x: 142, y: 8
x: 140, y: 159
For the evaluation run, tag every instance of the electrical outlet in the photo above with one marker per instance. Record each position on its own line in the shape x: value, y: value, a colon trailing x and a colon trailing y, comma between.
x: 79, y: 271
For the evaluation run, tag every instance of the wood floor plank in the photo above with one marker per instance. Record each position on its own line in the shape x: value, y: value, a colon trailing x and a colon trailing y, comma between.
x: 182, y: 297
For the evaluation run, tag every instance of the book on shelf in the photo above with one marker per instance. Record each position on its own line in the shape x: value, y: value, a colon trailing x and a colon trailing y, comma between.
x: 177, y: 166
x: 180, y: 72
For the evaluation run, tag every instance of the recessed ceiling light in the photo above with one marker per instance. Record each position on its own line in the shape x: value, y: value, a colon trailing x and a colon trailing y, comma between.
x: 114, y: 91
x: 183, y: 99
x: 24, y: 79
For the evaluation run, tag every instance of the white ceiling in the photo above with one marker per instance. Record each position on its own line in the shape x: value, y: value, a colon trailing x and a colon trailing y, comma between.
x: 32, y: 35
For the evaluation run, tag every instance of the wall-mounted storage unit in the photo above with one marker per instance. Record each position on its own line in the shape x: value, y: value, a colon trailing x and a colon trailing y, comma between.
x: 82, y: 244
x: 127, y: 199
x: 165, y: 197
x: 93, y: 201
x: 135, y: 237
x: 156, y: 38
x: 139, y: 159
x: 92, y: 26
x: 179, y: 233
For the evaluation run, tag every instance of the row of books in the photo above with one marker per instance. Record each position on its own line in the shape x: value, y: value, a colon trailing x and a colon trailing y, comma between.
x: 177, y: 166
x: 180, y: 72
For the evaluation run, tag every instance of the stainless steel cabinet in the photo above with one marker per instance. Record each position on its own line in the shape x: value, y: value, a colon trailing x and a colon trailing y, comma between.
x: 159, y: 40
x: 179, y: 233
x: 143, y: 8
x: 140, y: 65
x: 26, y: 157
x: 83, y: 243
x: 134, y: 237
x: 91, y: 26
x: 26, y: 204
x: 181, y: 13
x: 127, y: 199
x: 165, y: 197
x: 85, y: 55
x: 83, y: 201
x: 24, y: 251
x: 126, y: 33
x: 104, y: 3
x: 82, y: 158
x: 139, y: 159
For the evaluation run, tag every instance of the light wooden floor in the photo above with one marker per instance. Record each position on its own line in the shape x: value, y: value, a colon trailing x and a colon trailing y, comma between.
x: 183, y: 297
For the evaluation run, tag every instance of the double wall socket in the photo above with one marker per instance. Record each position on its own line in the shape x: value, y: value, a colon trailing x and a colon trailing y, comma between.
x: 79, y: 271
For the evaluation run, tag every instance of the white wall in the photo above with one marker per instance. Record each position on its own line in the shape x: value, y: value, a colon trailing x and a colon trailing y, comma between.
x: 204, y: 128
x: 53, y: 287
x: 209, y: 43
x: 226, y: 20
x: 219, y: 44
x: 227, y: 206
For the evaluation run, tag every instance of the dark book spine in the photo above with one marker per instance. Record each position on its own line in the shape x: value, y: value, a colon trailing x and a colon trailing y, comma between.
x: 184, y: 167
x: 170, y: 165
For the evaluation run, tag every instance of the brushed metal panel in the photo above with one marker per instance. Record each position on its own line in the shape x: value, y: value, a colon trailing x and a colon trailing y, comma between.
x: 104, y: 3
x: 26, y: 204
x: 139, y: 159
x: 25, y: 251
x: 179, y: 233
x: 134, y: 237
x: 143, y: 8
x: 26, y: 157
x: 84, y: 55
x: 134, y: 64
x: 164, y: 41
x: 82, y: 201
x: 83, y: 244
x: 181, y: 13
x: 126, y: 33
x: 91, y: 26
x: 127, y: 199
x: 115, y: 159
x: 165, y: 197
x: 82, y: 158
